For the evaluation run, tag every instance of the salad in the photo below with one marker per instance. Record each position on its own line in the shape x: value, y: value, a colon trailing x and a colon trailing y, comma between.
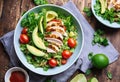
x: 108, y: 10
x: 48, y: 38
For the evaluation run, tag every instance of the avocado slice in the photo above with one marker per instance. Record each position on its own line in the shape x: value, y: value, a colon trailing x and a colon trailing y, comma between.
x: 35, y: 51
x: 37, y: 40
x: 50, y: 15
x: 103, y: 5
x: 40, y: 25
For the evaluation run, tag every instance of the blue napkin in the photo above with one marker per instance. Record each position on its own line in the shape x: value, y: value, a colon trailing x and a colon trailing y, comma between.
x: 82, y: 63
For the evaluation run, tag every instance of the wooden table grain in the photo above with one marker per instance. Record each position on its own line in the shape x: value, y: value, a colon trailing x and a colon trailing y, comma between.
x: 10, y: 12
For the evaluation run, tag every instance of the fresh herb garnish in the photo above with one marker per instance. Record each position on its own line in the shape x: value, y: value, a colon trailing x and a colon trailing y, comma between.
x: 88, y: 12
x: 88, y: 72
x: 98, y: 38
x: 109, y: 75
x: 90, y: 55
x: 40, y: 2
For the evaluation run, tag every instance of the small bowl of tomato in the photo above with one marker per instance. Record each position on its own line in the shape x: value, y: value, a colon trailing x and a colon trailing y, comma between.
x: 16, y: 74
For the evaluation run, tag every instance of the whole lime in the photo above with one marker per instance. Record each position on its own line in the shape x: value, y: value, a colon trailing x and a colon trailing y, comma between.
x: 100, y: 61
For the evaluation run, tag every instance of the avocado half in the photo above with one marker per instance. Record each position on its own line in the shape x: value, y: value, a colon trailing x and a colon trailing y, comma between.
x: 37, y: 40
x: 33, y: 50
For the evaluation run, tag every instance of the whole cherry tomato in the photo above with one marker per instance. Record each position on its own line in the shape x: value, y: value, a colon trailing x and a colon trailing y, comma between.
x: 66, y: 54
x: 52, y: 62
x: 24, y: 39
x: 24, y: 30
x: 71, y: 42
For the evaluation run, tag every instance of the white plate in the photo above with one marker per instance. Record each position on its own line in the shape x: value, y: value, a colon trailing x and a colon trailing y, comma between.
x: 103, y: 21
x: 71, y: 60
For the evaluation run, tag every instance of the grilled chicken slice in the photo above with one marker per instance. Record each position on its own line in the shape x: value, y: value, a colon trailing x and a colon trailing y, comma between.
x: 49, y: 50
x: 56, y: 35
x: 117, y: 5
x: 54, y: 47
x: 54, y: 41
x: 54, y: 23
x: 111, y: 4
x: 114, y: 4
x: 58, y: 29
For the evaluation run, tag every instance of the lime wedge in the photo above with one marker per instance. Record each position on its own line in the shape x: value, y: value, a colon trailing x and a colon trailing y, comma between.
x: 93, y: 80
x: 79, y: 78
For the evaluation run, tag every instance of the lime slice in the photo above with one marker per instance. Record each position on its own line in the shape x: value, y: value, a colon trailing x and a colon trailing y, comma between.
x: 79, y: 78
x: 93, y: 80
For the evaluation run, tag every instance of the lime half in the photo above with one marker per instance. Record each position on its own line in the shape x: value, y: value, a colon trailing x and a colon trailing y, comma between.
x: 79, y: 78
x: 93, y: 80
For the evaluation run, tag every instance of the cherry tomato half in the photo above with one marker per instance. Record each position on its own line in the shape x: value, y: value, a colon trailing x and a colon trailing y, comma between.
x: 71, y: 42
x: 24, y: 30
x: 66, y: 54
x: 24, y: 39
x: 52, y: 62
x: 63, y: 61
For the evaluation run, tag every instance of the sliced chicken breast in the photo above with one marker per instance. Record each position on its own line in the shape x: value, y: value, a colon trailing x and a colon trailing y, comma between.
x: 49, y: 50
x: 58, y: 29
x: 54, y: 41
x: 54, y: 47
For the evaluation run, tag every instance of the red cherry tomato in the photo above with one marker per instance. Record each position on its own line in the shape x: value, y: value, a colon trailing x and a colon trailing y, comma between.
x: 66, y: 54
x: 24, y: 39
x: 52, y: 62
x: 24, y: 30
x: 71, y: 42
x: 63, y: 61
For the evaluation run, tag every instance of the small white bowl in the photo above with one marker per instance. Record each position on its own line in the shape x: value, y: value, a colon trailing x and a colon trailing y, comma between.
x: 8, y: 73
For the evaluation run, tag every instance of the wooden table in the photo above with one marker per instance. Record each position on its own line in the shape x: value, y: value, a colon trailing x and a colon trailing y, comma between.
x: 10, y: 12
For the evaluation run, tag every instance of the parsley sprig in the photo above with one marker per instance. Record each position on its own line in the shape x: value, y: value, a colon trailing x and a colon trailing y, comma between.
x: 99, y: 39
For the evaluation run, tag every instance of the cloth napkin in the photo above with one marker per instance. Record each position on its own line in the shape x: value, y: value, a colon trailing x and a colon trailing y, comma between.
x: 82, y: 63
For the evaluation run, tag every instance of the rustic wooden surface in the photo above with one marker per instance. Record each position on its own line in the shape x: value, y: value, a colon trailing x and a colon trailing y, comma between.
x: 10, y: 12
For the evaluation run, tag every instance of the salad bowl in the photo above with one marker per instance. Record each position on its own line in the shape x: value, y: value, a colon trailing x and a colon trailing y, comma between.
x: 101, y: 19
x: 71, y: 60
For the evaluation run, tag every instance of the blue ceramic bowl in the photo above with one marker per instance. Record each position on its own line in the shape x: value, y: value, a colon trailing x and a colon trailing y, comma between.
x: 103, y: 21
x: 71, y: 60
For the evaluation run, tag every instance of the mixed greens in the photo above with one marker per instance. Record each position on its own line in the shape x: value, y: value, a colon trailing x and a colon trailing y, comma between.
x: 48, y: 38
x: 108, y: 10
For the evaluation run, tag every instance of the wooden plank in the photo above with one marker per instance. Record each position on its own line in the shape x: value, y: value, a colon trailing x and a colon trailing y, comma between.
x: 1, y: 7
x: 11, y: 12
